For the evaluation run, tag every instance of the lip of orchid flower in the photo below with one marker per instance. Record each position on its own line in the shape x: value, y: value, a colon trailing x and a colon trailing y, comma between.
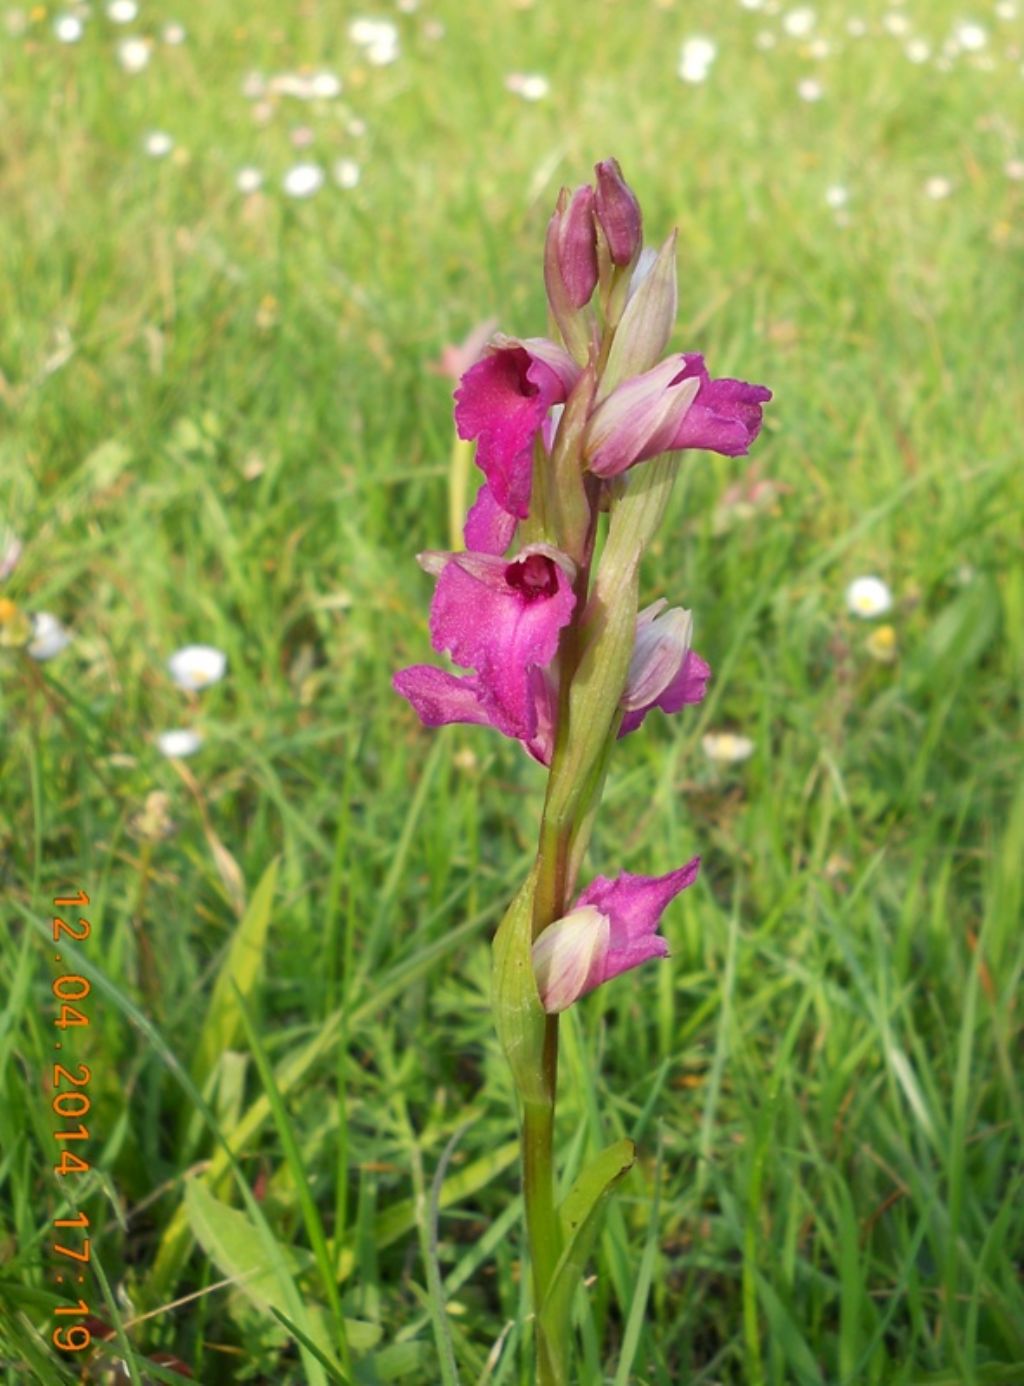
x: 610, y: 929
x: 502, y: 402
x: 726, y: 416
x: 439, y: 697
x: 489, y: 528
x: 502, y: 618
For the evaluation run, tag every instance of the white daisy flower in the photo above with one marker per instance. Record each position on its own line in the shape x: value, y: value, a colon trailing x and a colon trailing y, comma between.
x: 810, y: 89
x: 1014, y: 168
x: 248, y: 180
x: 174, y: 34
x: 122, y: 11
x: 799, y: 23
x: 381, y: 54
x: 367, y: 32
x: 133, y: 54
x: 531, y: 86
x: 918, y: 50
x: 937, y: 188
x: 836, y: 196
x: 68, y: 28
x: 303, y: 180
x: 727, y: 748
x: 346, y: 173
x: 178, y: 743
x: 158, y: 144
x: 197, y: 666
x: 325, y: 86
x: 1006, y: 9
x: 378, y: 38
x: 896, y: 24
x: 752, y: 4
x: 48, y: 636
x: 819, y: 48
x: 868, y: 597
x: 695, y: 58
x: 971, y: 37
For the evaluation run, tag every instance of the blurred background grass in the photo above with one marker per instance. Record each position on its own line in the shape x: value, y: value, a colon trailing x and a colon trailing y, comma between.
x: 219, y: 426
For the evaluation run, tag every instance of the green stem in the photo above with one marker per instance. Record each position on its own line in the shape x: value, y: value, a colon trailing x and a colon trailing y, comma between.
x: 458, y: 491
x: 542, y: 1225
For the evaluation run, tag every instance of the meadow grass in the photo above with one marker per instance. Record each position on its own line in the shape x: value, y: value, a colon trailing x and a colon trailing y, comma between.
x: 219, y: 426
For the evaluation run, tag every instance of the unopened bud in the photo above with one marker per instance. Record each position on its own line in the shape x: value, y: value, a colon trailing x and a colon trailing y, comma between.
x: 618, y: 212
x: 570, y: 267
x: 577, y: 247
x: 661, y: 645
x: 568, y: 957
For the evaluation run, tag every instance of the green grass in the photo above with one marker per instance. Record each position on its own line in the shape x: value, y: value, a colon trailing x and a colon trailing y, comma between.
x: 218, y: 426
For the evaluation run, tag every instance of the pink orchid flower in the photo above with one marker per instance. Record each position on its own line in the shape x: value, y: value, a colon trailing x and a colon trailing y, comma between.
x: 501, y: 618
x: 502, y: 403
x: 611, y: 928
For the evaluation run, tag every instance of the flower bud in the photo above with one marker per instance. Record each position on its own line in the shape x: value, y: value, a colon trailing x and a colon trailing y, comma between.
x: 639, y: 418
x: 576, y: 244
x: 568, y: 957
x: 570, y: 266
x: 661, y: 645
x: 618, y: 213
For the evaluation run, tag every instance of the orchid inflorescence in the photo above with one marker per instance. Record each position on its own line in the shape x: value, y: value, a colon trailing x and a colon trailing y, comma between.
x: 541, y: 606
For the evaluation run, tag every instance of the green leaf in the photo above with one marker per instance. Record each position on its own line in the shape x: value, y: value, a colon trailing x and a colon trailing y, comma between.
x: 518, y: 1015
x: 236, y: 1248
x: 264, y: 1270
x: 241, y: 969
x: 580, y: 1216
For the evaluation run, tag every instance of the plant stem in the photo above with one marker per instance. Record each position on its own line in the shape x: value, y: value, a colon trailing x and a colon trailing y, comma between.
x: 542, y: 1224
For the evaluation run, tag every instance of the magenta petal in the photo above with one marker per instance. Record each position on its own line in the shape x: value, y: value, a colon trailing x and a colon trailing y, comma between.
x: 634, y: 906
x: 725, y: 417
x: 688, y: 686
x: 439, y: 697
x: 502, y: 401
x: 544, y: 692
x: 489, y: 527
x: 503, y: 618
x: 639, y: 418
